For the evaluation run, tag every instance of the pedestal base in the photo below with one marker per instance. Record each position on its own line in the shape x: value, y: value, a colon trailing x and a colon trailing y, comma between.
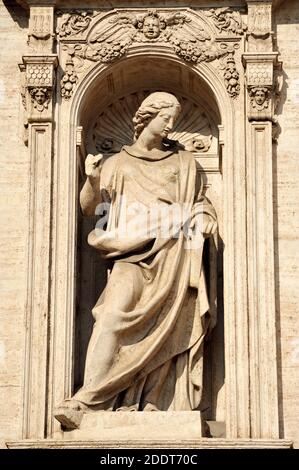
x: 144, y: 430
x: 138, y: 424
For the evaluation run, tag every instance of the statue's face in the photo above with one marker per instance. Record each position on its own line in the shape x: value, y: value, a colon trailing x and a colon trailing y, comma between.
x: 260, y: 97
x: 151, y: 27
x: 163, y: 122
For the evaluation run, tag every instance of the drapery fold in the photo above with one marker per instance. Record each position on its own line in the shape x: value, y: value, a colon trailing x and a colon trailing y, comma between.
x: 158, y: 264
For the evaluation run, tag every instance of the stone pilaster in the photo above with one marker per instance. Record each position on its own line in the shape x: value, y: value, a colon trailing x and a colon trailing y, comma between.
x: 259, y: 62
x: 38, y: 70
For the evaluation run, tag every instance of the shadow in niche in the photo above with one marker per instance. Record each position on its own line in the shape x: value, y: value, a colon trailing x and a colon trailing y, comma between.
x: 214, y: 364
x: 18, y: 14
x: 91, y: 281
x: 214, y: 360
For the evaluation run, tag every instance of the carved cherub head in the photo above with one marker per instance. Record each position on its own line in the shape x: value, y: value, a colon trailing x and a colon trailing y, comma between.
x: 259, y: 97
x: 40, y: 98
x: 155, y: 104
x: 151, y: 26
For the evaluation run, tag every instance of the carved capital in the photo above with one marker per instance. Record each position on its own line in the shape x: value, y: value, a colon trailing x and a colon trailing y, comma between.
x: 262, y: 89
x: 38, y: 83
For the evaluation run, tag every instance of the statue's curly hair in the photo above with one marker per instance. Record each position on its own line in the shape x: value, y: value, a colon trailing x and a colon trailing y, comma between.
x: 147, y: 111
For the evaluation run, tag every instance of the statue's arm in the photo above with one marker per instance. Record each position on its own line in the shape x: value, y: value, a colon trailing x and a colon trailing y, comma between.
x: 90, y: 195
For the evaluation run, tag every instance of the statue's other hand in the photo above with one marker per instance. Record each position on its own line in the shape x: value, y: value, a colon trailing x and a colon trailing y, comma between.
x: 205, y: 224
x: 209, y: 226
x: 212, y: 321
x: 92, y: 166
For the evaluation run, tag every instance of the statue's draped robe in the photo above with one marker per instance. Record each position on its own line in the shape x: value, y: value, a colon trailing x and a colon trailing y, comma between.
x: 160, y: 335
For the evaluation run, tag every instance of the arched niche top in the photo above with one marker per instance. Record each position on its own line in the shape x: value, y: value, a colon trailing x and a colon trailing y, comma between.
x: 132, y: 74
x: 154, y: 70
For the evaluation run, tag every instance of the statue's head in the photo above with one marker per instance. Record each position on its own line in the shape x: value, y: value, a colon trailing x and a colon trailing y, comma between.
x: 161, y: 105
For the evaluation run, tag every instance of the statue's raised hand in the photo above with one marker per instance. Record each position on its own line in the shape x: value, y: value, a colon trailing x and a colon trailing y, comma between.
x: 93, y: 167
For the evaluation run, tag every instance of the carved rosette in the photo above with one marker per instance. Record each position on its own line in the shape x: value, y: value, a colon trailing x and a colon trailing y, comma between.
x: 38, y: 86
x: 89, y: 36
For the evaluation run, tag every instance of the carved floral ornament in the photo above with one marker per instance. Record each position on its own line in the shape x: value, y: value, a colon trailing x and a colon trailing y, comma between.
x: 109, y: 38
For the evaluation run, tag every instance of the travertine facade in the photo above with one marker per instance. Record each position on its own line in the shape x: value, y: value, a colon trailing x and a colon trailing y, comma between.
x: 236, y: 71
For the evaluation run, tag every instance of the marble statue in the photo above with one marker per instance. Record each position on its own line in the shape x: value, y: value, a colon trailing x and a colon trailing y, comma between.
x: 146, y: 348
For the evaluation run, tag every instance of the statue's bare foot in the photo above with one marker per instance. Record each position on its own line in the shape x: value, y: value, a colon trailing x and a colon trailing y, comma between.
x: 70, y: 413
x: 150, y: 407
x: 127, y: 408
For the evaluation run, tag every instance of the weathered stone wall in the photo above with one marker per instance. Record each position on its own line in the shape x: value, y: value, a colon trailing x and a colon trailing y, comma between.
x: 14, y: 179
x: 13, y: 233
x: 286, y: 208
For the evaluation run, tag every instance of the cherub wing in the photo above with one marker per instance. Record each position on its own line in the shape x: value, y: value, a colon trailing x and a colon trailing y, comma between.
x: 115, y: 29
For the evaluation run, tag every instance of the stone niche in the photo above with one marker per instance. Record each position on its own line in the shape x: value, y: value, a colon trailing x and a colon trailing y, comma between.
x: 106, y: 114
x: 107, y: 61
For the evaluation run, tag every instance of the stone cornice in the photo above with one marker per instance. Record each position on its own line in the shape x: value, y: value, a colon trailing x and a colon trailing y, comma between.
x: 73, y: 3
x: 203, y: 443
x: 119, y: 3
